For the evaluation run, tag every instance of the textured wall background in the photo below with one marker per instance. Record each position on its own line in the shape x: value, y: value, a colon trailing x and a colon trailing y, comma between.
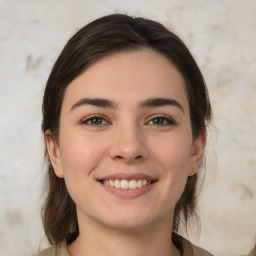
x: 222, y: 36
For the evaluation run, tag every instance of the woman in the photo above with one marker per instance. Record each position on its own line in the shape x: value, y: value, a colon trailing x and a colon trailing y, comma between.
x: 125, y: 112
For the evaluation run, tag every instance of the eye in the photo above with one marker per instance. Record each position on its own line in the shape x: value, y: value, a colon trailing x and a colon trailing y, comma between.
x: 161, y: 121
x: 95, y: 121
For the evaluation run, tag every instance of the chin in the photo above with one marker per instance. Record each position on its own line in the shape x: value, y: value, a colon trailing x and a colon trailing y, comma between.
x: 130, y: 221
x: 128, y: 227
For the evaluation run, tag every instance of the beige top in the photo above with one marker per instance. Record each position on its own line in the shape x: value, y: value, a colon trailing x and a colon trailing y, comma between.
x: 188, y: 249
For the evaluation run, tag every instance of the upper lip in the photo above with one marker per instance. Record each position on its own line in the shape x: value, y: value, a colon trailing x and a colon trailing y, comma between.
x: 125, y: 176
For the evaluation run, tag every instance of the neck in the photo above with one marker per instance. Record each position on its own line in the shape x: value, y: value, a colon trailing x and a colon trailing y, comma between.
x: 95, y: 239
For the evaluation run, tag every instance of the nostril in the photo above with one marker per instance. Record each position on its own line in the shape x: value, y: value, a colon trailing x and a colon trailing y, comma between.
x: 135, y: 158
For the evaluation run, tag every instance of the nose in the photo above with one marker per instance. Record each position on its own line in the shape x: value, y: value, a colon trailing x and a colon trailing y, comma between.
x: 128, y: 145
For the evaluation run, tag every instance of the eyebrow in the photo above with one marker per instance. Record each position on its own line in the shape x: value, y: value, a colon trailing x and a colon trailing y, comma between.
x: 159, y: 102
x: 97, y: 102
x: 148, y: 103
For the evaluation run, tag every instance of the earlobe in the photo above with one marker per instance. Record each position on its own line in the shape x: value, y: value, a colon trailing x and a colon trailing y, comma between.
x: 54, y: 153
x: 197, y: 153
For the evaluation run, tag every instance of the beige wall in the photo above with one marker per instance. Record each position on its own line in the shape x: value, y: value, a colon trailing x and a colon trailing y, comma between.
x: 221, y: 35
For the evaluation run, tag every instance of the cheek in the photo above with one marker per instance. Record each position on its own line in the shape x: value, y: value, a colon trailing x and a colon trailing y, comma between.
x: 80, y: 154
x: 79, y: 157
x: 174, y: 158
x: 174, y: 153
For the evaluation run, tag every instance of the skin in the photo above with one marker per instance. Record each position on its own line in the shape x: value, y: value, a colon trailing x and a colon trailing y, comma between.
x: 128, y: 137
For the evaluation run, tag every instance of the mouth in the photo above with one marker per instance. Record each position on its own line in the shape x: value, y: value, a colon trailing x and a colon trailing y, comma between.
x: 127, y: 184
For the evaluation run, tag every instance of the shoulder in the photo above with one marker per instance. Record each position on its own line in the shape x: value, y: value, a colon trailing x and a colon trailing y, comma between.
x: 48, y: 252
x: 199, y: 251
x: 188, y: 249
x: 58, y: 250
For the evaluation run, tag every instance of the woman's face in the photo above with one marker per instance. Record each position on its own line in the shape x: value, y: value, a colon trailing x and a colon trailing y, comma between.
x: 125, y: 146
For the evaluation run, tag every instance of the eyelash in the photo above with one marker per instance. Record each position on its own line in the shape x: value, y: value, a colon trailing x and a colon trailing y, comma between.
x: 94, y: 118
x: 164, y: 121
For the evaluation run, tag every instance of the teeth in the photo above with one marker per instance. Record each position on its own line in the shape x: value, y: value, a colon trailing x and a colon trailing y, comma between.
x: 139, y: 183
x: 132, y: 184
x: 126, y: 184
x: 117, y: 184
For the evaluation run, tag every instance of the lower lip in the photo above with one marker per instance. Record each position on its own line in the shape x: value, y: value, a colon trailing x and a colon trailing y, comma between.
x: 128, y: 193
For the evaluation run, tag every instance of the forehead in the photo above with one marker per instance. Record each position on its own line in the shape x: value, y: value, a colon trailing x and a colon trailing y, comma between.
x: 128, y: 75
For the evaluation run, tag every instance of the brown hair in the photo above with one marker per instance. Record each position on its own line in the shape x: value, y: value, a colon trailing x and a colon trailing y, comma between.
x: 102, y: 37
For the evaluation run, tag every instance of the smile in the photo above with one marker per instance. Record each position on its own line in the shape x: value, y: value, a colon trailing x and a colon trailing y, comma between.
x: 127, y: 184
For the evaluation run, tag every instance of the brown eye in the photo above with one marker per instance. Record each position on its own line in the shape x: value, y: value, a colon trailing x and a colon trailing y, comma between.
x: 95, y: 120
x: 161, y: 121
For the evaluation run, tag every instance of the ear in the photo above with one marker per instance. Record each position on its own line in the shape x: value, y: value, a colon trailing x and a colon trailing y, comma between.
x: 197, y: 152
x: 54, y: 153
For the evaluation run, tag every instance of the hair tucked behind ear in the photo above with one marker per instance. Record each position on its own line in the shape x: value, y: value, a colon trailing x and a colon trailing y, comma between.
x: 59, y: 211
x: 96, y: 40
